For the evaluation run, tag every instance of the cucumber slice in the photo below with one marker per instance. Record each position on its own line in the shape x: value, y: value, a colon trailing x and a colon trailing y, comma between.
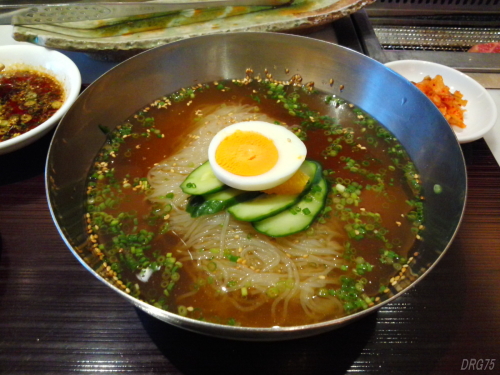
x: 298, y: 217
x: 201, y: 181
x: 266, y: 205
x: 209, y: 204
x: 262, y: 206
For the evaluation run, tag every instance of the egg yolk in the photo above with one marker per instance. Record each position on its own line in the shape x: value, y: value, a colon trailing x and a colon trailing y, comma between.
x: 246, y: 153
x: 294, y: 185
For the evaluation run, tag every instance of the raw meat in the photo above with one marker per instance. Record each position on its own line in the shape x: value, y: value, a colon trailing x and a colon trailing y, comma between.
x: 486, y: 48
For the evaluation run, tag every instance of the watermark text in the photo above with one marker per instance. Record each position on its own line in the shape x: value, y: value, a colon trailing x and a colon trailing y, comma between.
x: 474, y: 364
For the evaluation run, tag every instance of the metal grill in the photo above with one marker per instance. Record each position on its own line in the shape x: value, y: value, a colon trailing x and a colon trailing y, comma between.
x: 435, y: 25
x: 419, y: 7
x: 432, y: 30
x: 461, y: 3
x: 455, y: 39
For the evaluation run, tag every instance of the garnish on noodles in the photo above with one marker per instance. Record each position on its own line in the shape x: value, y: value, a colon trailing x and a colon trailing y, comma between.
x: 327, y: 242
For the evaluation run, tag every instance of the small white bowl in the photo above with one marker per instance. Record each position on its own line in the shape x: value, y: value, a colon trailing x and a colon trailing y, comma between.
x: 44, y: 60
x: 481, y: 111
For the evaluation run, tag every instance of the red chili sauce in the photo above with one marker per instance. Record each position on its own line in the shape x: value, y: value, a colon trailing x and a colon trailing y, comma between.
x: 27, y: 99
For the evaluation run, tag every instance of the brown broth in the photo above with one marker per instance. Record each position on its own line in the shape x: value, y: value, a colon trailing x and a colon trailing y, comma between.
x: 137, y: 154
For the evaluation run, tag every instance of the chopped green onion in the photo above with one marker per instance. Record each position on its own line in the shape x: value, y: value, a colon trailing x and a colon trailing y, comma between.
x: 438, y: 189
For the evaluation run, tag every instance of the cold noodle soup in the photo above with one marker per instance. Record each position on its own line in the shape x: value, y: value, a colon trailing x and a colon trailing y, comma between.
x: 151, y: 239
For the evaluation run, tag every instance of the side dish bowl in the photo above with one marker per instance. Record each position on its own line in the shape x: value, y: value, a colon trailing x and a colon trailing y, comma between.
x: 480, y: 112
x: 335, y: 70
x: 56, y: 65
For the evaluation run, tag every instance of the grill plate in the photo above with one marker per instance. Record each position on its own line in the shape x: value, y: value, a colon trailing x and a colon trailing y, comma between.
x: 432, y: 38
x: 433, y: 30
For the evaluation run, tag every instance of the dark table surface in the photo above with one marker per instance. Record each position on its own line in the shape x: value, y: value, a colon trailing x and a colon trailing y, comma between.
x: 56, y: 318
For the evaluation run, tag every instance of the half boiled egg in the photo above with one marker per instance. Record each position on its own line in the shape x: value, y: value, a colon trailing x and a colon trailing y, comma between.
x: 255, y: 155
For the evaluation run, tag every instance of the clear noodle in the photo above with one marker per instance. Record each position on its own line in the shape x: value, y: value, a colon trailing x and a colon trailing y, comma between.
x: 290, y: 268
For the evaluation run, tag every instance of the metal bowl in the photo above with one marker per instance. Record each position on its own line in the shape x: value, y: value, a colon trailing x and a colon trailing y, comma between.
x: 385, y: 95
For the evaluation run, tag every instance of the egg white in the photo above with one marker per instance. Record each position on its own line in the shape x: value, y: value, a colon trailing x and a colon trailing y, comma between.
x: 291, y: 154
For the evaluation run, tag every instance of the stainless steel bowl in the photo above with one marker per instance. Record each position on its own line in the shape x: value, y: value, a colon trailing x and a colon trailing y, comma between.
x: 388, y: 97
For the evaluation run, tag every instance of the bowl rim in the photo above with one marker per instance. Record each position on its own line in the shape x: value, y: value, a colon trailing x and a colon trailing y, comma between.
x: 462, y: 137
x: 70, y: 77
x: 214, y: 329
